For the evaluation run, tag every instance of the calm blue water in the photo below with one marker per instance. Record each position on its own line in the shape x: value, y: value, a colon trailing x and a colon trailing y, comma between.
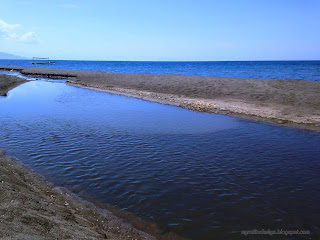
x: 204, y: 176
x: 303, y: 70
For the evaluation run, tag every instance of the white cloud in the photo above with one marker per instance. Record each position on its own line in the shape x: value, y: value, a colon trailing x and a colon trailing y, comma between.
x: 29, y: 37
x: 7, y: 32
x: 6, y: 28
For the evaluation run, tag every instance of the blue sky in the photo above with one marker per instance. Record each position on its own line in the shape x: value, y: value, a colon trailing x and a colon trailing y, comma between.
x: 185, y: 30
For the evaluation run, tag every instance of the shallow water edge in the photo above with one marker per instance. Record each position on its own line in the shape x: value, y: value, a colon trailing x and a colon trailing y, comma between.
x: 198, y: 106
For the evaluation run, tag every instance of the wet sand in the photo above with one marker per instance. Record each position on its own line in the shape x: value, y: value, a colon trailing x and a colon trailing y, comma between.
x: 293, y: 103
x: 9, y: 82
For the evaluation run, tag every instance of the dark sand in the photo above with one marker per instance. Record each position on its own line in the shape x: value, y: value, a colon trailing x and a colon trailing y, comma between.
x: 294, y: 103
x: 9, y: 82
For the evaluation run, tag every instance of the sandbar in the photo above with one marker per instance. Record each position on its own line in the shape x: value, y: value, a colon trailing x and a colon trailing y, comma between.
x: 9, y: 82
x: 293, y: 103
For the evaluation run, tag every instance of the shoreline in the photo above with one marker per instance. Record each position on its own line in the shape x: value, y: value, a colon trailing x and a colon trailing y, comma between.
x: 32, y: 208
x: 198, y: 106
x: 290, y: 103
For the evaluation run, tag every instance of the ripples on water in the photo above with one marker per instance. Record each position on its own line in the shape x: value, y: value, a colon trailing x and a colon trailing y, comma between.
x: 204, y: 176
x: 303, y: 70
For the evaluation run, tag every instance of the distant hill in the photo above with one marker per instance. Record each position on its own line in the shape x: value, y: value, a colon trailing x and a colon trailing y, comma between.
x: 10, y: 56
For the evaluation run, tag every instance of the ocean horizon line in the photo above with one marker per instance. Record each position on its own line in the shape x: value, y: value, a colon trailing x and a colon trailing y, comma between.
x: 200, y: 61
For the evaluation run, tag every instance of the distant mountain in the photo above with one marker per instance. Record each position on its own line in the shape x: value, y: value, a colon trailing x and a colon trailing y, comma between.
x: 10, y: 56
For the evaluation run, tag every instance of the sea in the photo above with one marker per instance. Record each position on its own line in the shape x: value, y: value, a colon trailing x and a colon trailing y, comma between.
x: 299, y: 70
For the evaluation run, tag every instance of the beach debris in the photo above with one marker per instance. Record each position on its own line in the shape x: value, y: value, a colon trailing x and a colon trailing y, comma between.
x: 282, y: 121
x: 200, y: 106
x: 66, y: 204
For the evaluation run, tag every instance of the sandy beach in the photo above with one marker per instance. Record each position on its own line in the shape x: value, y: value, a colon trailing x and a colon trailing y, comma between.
x: 293, y: 103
